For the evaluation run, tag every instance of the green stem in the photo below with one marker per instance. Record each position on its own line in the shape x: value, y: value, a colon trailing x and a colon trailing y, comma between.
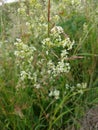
x: 48, y: 18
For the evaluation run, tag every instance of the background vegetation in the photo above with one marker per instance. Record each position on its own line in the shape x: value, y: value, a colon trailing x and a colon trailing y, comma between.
x: 48, y: 64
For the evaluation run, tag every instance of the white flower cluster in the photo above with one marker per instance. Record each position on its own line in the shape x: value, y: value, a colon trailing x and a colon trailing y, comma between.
x: 55, y: 93
x: 56, y: 39
x: 57, y: 29
x: 24, y: 58
x: 43, y: 68
x: 66, y: 43
x: 23, y: 50
x: 79, y: 87
x: 61, y: 67
x: 23, y: 75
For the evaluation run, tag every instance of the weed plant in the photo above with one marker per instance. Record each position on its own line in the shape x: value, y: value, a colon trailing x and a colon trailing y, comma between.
x: 49, y: 67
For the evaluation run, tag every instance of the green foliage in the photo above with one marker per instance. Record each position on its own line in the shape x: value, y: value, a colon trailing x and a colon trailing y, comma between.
x: 48, y: 64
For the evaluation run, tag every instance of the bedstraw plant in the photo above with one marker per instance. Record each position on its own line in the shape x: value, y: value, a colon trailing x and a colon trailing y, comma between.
x: 48, y: 69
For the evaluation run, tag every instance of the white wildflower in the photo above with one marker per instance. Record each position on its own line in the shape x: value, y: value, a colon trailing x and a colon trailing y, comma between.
x: 37, y: 86
x: 62, y: 67
x: 67, y: 86
x: 84, y: 85
x: 57, y: 29
x: 51, y: 94
x: 27, y: 24
x: 45, y: 41
x: 71, y: 45
x: 64, y: 53
x: 79, y: 85
x: 56, y: 94
x: 67, y: 43
x: 18, y: 40
x: 16, y: 53
x: 23, y: 75
x: 64, y: 43
x: 47, y: 52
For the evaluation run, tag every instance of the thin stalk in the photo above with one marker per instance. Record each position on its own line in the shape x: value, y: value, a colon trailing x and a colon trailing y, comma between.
x: 48, y: 18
